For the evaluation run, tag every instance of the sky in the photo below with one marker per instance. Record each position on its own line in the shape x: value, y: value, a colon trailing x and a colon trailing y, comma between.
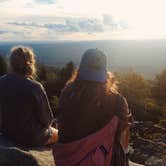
x: 56, y: 20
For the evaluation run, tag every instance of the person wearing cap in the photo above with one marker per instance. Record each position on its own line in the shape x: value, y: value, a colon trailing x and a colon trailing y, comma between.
x: 88, y: 107
x: 26, y: 116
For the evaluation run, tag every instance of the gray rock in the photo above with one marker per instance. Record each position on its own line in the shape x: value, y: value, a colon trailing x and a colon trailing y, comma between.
x: 16, y: 157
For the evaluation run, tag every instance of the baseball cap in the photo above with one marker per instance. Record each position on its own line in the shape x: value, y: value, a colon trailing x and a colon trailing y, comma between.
x: 93, y: 66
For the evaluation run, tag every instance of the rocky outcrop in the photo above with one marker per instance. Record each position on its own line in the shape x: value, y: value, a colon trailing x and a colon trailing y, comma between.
x: 21, y: 156
x: 33, y: 157
x: 148, y: 148
x: 28, y: 157
x: 43, y: 155
x: 16, y: 157
x: 149, y: 144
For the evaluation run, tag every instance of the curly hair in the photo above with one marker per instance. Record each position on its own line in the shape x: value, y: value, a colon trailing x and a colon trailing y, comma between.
x: 22, y: 61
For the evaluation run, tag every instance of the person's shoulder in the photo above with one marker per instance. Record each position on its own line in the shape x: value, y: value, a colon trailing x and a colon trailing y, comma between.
x: 121, y: 98
x: 67, y: 88
x: 122, y: 106
x: 35, y: 84
x: 4, y: 78
x: 117, y: 96
x: 119, y: 101
x: 67, y: 92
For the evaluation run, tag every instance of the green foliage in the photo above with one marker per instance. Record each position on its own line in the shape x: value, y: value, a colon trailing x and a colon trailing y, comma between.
x: 54, y: 103
x: 65, y: 73
x: 137, y: 91
x: 53, y: 78
x: 3, y: 66
x: 46, y: 73
x: 134, y: 87
x: 41, y: 72
x: 159, y: 88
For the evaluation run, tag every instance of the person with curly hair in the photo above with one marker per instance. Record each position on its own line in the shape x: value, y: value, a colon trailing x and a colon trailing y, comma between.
x: 26, y: 116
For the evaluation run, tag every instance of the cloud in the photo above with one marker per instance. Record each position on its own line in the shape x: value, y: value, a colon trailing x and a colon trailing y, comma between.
x: 69, y: 25
x: 3, y: 32
x: 41, y: 19
x: 8, y: 31
x: 110, y: 22
x: 1, y: 1
x: 45, y: 1
x: 89, y: 25
x: 12, y: 32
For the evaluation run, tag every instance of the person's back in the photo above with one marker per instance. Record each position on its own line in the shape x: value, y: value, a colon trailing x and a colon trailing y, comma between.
x: 92, y: 117
x: 25, y: 111
x: 18, y: 100
x: 80, y: 117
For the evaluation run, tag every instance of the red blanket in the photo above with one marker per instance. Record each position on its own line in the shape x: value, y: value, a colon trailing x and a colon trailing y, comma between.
x: 87, y: 151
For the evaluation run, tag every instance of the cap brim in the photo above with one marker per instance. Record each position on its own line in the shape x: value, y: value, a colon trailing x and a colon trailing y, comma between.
x: 93, y: 75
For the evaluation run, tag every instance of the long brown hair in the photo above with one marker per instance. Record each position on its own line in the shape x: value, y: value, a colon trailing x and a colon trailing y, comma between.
x: 82, y: 91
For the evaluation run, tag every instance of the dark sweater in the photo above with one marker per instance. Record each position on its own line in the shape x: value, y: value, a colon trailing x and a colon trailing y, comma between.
x: 25, y: 111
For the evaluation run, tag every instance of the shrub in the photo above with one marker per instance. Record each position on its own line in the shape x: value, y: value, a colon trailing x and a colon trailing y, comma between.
x: 3, y: 66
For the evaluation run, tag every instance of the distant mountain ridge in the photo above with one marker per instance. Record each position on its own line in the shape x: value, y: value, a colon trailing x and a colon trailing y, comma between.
x: 146, y: 57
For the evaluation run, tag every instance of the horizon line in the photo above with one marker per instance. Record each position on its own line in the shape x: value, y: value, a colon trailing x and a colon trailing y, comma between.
x: 61, y: 41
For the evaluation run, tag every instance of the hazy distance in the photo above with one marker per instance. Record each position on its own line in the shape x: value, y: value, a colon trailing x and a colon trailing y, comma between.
x: 147, y: 57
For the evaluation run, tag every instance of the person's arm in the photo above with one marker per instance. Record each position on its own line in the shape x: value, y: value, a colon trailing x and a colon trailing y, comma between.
x: 125, y: 119
x: 44, y: 112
